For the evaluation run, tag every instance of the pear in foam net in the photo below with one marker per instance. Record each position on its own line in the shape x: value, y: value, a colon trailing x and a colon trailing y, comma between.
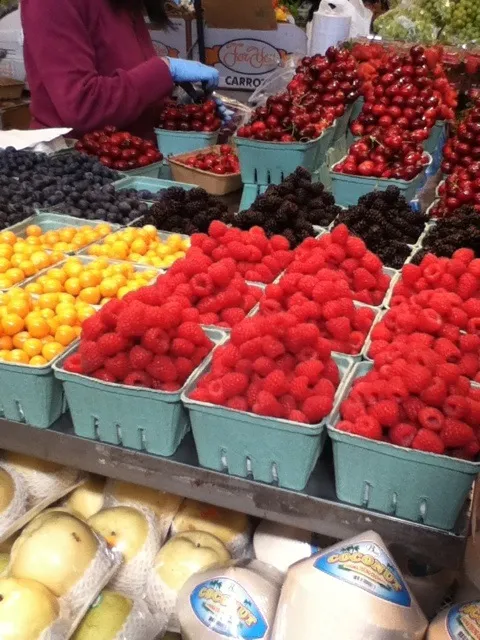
x: 13, y: 498
x: 357, y: 592
x: 43, y: 480
x: 87, y: 500
x: 56, y: 549
x: 181, y: 557
x: 163, y: 506
x: 4, y: 560
x: 114, y: 616
x: 231, y: 527
x: 27, y: 609
x: 459, y: 622
x: 134, y: 535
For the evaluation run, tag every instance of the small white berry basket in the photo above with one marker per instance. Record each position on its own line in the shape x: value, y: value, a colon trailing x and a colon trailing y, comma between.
x: 248, y: 445
x: 422, y: 487
x: 137, y: 418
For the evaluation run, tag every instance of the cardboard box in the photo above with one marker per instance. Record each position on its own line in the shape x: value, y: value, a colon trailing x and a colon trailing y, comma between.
x: 15, y: 114
x: 256, y: 15
x: 245, y: 59
x: 178, y: 42
x: 13, y: 67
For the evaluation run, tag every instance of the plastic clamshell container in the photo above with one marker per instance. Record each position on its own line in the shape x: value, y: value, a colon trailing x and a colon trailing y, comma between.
x: 154, y: 185
x: 50, y: 221
x: 141, y: 419
x: 30, y: 394
x: 413, y: 485
x: 347, y: 189
x: 270, y: 162
x: 265, y: 449
x: 343, y: 122
x: 215, y: 185
x: 172, y: 143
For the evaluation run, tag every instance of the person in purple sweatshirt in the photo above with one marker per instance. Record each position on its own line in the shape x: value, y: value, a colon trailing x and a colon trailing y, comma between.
x: 91, y: 63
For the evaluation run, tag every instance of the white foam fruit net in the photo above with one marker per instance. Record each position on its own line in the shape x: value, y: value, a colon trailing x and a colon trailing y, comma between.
x: 131, y: 577
x: 93, y: 580
x: 239, y: 547
x: 163, y: 520
x: 162, y: 600
x: 18, y: 505
x: 140, y: 624
x: 42, y: 485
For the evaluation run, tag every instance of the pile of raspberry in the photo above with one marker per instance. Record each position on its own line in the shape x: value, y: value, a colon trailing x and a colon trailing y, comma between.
x: 433, y: 320
x: 342, y: 251
x: 324, y: 299
x: 257, y: 258
x: 416, y: 400
x: 141, y: 345
x: 214, y: 292
x: 459, y: 274
x: 273, y: 366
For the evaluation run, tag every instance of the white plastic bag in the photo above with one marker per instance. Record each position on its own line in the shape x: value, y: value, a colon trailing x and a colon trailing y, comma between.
x: 336, y: 21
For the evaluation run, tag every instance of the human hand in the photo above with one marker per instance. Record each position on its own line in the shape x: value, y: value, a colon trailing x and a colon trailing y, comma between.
x: 191, y: 71
x: 225, y: 114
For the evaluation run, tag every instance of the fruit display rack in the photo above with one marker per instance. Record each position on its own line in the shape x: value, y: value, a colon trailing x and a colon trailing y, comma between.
x: 315, y: 509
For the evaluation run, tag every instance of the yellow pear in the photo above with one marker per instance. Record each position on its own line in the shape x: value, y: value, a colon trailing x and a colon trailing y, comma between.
x: 224, y: 524
x: 105, y: 618
x: 28, y: 464
x: 4, y: 560
x: 7, y: 490
x: 87, y: 500
x: 56, y: 549
x: 162, y: 504
x: 188, y: 553
x: 124, y: 528
x: 27, y: 609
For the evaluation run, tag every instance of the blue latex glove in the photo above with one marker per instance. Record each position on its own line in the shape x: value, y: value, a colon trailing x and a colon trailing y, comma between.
x: 191, y: 71
x: 225, y: 114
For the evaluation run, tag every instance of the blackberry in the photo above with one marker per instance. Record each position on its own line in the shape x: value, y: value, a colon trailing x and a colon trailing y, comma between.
x: 449, y: 234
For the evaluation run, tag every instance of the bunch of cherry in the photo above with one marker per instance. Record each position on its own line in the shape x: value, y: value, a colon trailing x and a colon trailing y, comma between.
x: 219, y: 160
x: 389, y: 154
x: 119, y: 149
x: 319, y: 92
x: 190, y: 117
x: 403, y: 93
x: 462, y: 149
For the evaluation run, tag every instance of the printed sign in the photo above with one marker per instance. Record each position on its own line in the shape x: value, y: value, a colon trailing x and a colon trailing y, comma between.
x: 463, y: 621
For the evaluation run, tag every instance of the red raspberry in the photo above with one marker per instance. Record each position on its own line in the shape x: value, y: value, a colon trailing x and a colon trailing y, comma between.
x: 473, y: 325
x: 412, y: 407
x: 410, y: 274
x: 367, y: 427
x: 464, y: 254
x: 263, y: 366
x: 132, y: 321
x: 268, y: 405
x: 430, y: 418
x: 447, y: 350
x: 111, y: 343
x: 299, y: 388
x: 182, y: 348
x: 355, y: 247
x: 118, y: 366
x: 472, y: 307
x: 237, y: 403
x: 297, y: 416
x: 93, y: 327
x: 371, y: 262
x: 193, y: 333
x: 279, y: 243
x: 331, y: 372
x: 184, y: 367
x: 138, y: 379
x: 232, y: 316
x: 363, y: 280
x: 217, y: 229
x: 302, y: 335
x: 73, y: 363
x: 316, y: 408
x: 469, y: 365
x: 220, y: 274
x: 103, y: 375
x: 455, y: 407
x: 339, y: 328
x: 234, y: 384
x: 386, y: 412
x: 467, y: 286
x: 162, y: 368
x: 351, y: 410
x: 435, y: 394
x: 345, y: 425
x: 340, y: 234
x: 469, y: 343
x: 456, y: 434
x: 418, y: 378
x: 402, y: 434
x: 90, y: 356
x: 448, y: 371
x: 276, y: 383
x: 216, y: 392
x: 109, y: 313
x: 429, y: 441
x: 156, y: 340
x: 139, y: 358
x: 312, y: 369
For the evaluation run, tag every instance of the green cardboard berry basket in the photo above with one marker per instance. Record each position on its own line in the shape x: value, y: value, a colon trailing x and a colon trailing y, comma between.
x: 31, y: 395
x: 141, y: 419
x: 413, y: 485
x: 347, y: 189
x: 173, y: 143
x: 270, y: 162
x: 251, y: 446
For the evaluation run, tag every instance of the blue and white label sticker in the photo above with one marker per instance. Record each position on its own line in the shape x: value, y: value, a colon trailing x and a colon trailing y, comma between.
x: 224, y: 606
x: 367, y: 566
x: 463, y: 621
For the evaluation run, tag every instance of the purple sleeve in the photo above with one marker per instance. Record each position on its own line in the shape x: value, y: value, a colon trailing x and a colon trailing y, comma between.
x: 59, y: 41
